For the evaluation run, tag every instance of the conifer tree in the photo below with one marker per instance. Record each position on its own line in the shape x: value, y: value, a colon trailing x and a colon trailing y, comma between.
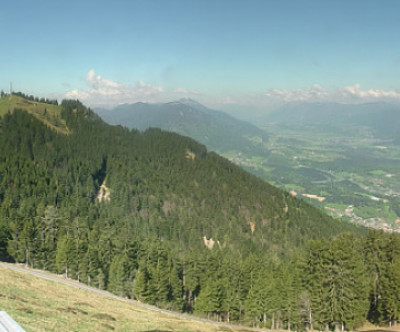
x: 65, y: 256
x: 140, y: 284
x: 119, y: 276
x: 176, y: 288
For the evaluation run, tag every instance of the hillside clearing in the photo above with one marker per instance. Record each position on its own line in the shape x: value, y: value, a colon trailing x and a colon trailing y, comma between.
x: 49, y: 114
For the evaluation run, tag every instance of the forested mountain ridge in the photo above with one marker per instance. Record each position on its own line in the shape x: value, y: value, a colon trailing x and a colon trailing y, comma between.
x: 155, y: 216
x: 341, y: 158
x: 217, y: 130
x: 154, y: 176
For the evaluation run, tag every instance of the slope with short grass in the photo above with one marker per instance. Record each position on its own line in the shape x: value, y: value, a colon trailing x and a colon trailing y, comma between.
x: 43, y: 305
x: 48, y: 114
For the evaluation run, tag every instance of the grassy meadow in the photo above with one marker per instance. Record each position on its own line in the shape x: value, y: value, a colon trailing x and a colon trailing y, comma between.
x: 49, y: 114
x: 43, y: 305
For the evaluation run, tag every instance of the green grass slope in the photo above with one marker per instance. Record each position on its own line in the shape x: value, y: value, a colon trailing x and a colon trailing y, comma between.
x: 48, y: 114
x: 43, y: 305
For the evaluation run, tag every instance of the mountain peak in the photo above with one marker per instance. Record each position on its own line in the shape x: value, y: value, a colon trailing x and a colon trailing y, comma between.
x: 190, y: 102
x: 183, y: 100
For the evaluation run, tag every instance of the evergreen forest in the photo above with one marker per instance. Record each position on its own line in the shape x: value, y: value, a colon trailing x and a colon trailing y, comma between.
x: 156, y: 217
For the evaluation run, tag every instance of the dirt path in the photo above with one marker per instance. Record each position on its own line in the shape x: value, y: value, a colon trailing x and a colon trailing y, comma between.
x: 76, y: 284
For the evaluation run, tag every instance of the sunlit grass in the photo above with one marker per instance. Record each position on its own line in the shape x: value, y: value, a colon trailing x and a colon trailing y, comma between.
x: 42, y: 305
x: 49, y: 114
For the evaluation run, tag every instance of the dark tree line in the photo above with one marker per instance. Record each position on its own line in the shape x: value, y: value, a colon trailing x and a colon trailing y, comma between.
x: 154, y: 216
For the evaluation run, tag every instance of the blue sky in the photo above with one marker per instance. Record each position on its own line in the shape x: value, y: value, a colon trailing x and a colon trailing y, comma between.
x: 218, y: 52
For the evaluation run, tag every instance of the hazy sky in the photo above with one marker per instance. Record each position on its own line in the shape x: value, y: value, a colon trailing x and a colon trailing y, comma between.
x: 217, y: 52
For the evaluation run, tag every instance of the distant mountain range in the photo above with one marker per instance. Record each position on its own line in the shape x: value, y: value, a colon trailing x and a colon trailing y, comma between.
x: 217, y: 130
x: 382, y: 118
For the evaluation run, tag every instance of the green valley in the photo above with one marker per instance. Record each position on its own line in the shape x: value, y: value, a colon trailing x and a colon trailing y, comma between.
x: 355, y: 174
